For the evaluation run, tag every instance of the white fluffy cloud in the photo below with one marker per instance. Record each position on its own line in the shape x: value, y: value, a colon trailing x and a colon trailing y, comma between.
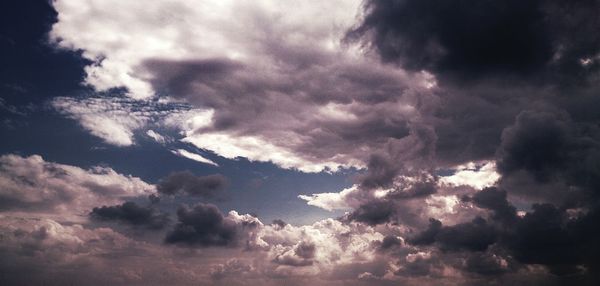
x: 474, y: 174
x: 332, y: 201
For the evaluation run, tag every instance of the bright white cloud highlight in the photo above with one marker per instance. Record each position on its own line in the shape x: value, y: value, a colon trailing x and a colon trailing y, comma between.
x: 193, y: 156
x: 477, y: 175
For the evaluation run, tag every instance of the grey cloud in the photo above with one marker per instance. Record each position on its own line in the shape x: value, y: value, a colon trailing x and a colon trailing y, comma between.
x: 557, y: 153
x: 472, y: 39
x: 390, y: 241
x: 487, y: 264
x: 476, y: 235
x: 428, y: 235
x: 374, y: 212
x: 133, y: 214
x: 495, y: 200
x: 203, y: 225
x: 185, y: 182
x: 538, y: 143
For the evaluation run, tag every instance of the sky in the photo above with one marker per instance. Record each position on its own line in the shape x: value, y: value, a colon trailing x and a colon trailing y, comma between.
x: 342, y: 142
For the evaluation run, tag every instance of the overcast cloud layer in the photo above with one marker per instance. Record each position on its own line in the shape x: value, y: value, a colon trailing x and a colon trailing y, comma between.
x: 469, y: 128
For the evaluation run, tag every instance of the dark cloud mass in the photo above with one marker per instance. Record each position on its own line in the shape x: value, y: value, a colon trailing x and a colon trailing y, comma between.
x: 470, y: 38
x: 131, y: 213
x: 204, y: 225
x: 185, y: 182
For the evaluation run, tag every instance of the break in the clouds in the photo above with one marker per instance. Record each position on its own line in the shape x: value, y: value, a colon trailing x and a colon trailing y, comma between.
x: 467, y: 132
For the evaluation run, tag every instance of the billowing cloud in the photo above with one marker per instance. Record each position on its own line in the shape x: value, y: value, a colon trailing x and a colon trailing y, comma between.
x: 33, y: 185
x: 204, y: 225
x: 310, y: 101
x: 131, y: 213
x: 470, y: 129
x: 474, y: 40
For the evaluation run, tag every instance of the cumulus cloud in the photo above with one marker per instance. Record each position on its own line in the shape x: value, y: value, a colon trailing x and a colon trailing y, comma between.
x: 332, y: 201
x: 131, y: 213
x: 32, y: 185
x: 476, y: 175
x: 204, y: 225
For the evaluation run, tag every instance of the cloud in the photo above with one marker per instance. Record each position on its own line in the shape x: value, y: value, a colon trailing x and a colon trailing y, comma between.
x: 193, y: 156
x: 511, y: 38
x: 108, y: 119
x: 233, y: 267
x: 311, y: 102
x: 473, y: 124
x: 204, y: 225
x: 476, y: 235
x: 476, y: 175
x: 186, y: 182
x: 495, y: 200
x: 33, y: 185
x: 116, y: 119
x: 157, y: 137
x: 331, y: 201
x: 131, y: 213
x: 300, y: 255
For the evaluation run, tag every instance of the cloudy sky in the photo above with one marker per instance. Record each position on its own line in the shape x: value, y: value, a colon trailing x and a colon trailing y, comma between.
x: 267, y: 142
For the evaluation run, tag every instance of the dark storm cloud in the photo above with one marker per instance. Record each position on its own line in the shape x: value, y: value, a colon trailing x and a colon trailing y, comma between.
x: 133, y: 214
x: 374, y: 212
x: 381, y: 172
x: 473, y: 38
x: 554, y: 237
x: 185, y: 182
x: 476, y: 235
x: 495, y: 200
x: 548, y: 236
x: 390, y: 241
x: 538, y: 142
x: 554, y: 150
x: 486, y: 264
x: 428, y: 235
x: 204, y: 225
